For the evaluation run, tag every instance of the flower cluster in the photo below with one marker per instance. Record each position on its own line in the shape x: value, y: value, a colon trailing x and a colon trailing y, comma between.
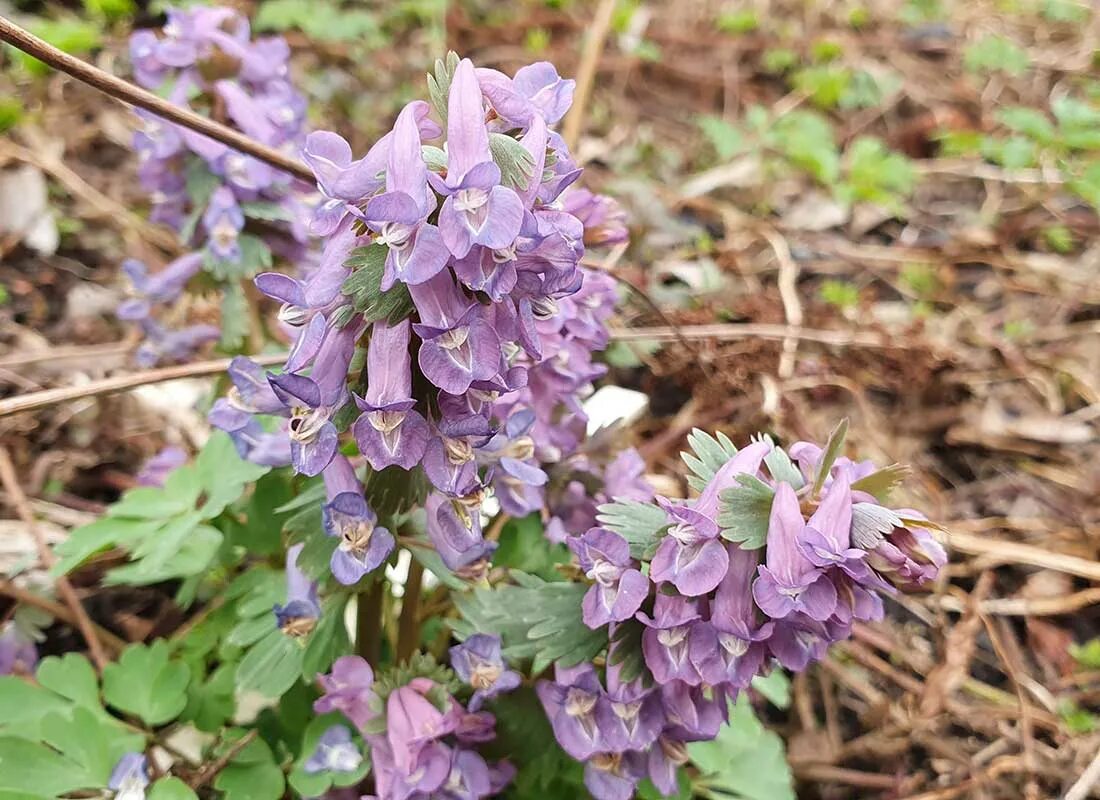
x: 18, y: 654
x: 457, y: 269
x: 206, y: 60
x: 422, y: 740
x: 713, y: 614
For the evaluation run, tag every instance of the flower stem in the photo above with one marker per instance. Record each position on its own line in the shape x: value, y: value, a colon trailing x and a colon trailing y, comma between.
x: 408, y: 627
x: 368, y: 623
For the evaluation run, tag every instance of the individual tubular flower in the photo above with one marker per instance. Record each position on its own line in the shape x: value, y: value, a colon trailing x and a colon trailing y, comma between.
x: 667, y: 639
x: 579, y: 712
x: 299, y: 615
x: 155, y: 470
x: 478, y: 662
x: 335, y: 752
x: 129, y: 777
x: 348, y: 689
x: 18, y: 655
x: 618, y: 588
x: 390, y: 432
x: 364, y: 544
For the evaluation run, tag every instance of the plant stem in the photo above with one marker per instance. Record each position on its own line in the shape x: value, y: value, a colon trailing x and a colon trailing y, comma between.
x: 408, y: 627
x: 368, y: 623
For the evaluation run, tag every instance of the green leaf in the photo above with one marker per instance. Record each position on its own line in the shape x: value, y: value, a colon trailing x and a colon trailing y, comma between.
x: 266, y: 210
x: 223, y: 474
x: 524, y: 546
x: 253, y: 774
x: 364, y: 287
x: 641, y: 524
x: 272, y: 665
x: 193, y: 558
x: 745, y: 760
x: 431, y: 561
x: 328, y: 641
x: 439, y: 84
x: 145, y: 682
x: 517, y: 166
x: 96, y: 537
x: 744, y: 512
x: 534, y: 619
x: 994, y: 53
x: 882, y: 482
x: 775, y: 686
x: 832, y: 450
x: 255, y: 256
x: 874, y: 174
x: 783, y: 469
x: 708, y: 455
x: 726, y: 139
x: 74, y: 36
x: 807, y: 141
x: 234, y: 317
x: 1030, y: 122
x: 72, y: 677
x: 315, y: 785
x: 212, y: 703
x: 434, y: 157
x: 170, y: 789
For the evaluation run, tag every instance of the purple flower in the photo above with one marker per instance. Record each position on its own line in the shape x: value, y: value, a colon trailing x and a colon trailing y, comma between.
x: 160, y: 287
x: 666, y: 640
x: 619, y: 588
x: 478, y: 662
x: 789, y: 582
x: 907, y: 554
x: 314, y: 399
x: 478, y: 210
x: 536, y: 89
x: 578, y: 709
x: 223, y: 221
x: 614, y: 776
x: 299, y: 616
x: 797, y: 640
x: 693, y: 714
x: 454, y: 526
x: 637, y: 715
x: 162, y: 344
x: 364, y: 545
x: 335, y: 752
x: 469, y: 777
x: 18, y: 655
x: 422, y: 778
x: 129, y: 777
x: 347, y: 689
x: 399, y: 217
x: 412, y: 723
x: 459, y: 345
x: 390, y: 431
x: 826, y: 539
x: 664, y: 761
x: 603, y: 218
x: 691, y: 556
x: 731, y: 647
x: 155, y: 471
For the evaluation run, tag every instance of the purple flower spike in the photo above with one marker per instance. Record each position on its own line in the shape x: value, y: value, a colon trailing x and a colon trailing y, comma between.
x: 299, y: 616
x: 620, y: 588
x: 478, y: 662
x: 347, y: 689
x: 416, y: 249
x: 789, y: 582
x: 364, y: 545
x: 390, y: 432
x: 478, y: 210
x: 130, y: 777
x: 223, y: 222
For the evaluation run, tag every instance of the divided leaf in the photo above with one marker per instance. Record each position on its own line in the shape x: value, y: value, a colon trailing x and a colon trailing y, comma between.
x: 146, y: 683
x: 641, y: 524
x: 881, y: 483
x: 364, y: 286
x: 709, y: 454
x: 746, y: 760
x: 744, y: 511
x: 517, y: 166
x: 534, y: 619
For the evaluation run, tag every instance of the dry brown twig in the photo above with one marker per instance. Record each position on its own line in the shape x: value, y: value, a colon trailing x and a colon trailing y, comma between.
x: 136, y: 96
x: 55, y: 609
x: 83, y: 622
x: 586, y: 72
x: 209, y: 772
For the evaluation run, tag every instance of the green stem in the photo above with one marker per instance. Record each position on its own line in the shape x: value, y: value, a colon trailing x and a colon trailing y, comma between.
x: 408, y: 627
x: 368, y: 622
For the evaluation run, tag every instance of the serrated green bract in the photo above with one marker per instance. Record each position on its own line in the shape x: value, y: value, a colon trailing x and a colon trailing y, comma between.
x: 743, y: 512
x: 517, y: 166
x: 745, y: 760
x: 641, y: 524
x: 147, y: 684
x: 253, y: 774
x: 534, y: 619
x: 439, y: 84
x: 708, y: 455
x: 434, y: 157
x: 782, y: 468
x: 871, y: 523
x: 364, y: 287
